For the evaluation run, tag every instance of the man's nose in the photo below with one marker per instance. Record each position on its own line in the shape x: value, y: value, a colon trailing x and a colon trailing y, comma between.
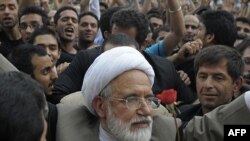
x: 145, y: 109
x: 54, y: 74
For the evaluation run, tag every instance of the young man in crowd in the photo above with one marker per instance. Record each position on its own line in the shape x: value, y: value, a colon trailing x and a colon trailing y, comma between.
x: 10, y: 36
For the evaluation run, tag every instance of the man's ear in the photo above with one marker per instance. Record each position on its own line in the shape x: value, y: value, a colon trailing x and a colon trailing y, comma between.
x: 99, y: 106
x: 106, y: 34
x: 59, y: 52
x: 237, y: 84
x: 210, y: 39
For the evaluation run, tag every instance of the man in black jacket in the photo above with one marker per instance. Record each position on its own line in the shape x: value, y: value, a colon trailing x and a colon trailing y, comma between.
x: 166, y: 76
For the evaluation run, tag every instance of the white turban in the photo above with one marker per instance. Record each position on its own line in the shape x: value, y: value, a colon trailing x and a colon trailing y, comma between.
x: 109, y: 65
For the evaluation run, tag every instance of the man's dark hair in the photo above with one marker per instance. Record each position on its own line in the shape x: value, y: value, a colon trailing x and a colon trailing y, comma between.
x: 243, y: 19
x: 104, y: 5
x: 131, y: 18
x: 200, y: 10
x: 106, y: 19
x: 157, y: 31
x: 89, y: 14
x: 44, y: 30
x: 241, y: 47
x: 121, y: 39
x: 21, y: 57
x: 22, y: 107
x: 214, y: 54
x: 222, y: 25
x: 157, y: 14
x: 34, y: 10
x: 60, y: 10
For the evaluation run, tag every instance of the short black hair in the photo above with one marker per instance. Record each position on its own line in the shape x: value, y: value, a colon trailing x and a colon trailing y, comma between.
x: 214, y: 54
x: 21, y: 57
x: 156, y: 13
x: 44, y: 30
x: 121, y: 39
x: 89, y: 14
x: 241, y: 47
x: 200, y: 10
x: 34, y: 10
x: 222, y: 24
x: 243, y: 19
x: 130, y: 18
x: 106, y: 19
x: 157, y: 31
x: 104, y: 5
x: 60, y: 10
x: 22, y: 107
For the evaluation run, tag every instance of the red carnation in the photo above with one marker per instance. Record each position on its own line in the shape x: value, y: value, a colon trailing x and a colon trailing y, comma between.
x: 167, y: 96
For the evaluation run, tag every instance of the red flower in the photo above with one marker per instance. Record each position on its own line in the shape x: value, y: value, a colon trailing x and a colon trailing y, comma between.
x: 167, y: 96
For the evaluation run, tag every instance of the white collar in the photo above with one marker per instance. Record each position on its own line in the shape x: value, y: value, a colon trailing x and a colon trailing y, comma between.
x: 104, y: 135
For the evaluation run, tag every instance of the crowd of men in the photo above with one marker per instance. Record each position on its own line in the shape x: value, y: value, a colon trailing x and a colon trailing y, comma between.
x: 93, y: 69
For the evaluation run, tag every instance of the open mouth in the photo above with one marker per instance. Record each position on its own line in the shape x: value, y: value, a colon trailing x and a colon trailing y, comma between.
x: 141, y: 124
x: 69, y: 31
x: 7, y: 19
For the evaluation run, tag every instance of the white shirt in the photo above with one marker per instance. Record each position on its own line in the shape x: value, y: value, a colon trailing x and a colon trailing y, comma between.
x: 105, y: 136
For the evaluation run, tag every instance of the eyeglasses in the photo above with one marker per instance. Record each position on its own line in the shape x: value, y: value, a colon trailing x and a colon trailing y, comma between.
x: 134, y: 102
x: 24, y: 26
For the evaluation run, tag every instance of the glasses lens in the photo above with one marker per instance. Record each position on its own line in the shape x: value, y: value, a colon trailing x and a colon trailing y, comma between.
x: 133, y: 102
x: 153, y: 102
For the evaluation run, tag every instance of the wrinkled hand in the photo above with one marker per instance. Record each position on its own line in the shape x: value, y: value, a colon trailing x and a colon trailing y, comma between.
x: 60, y: 68
x: 184, y: 77
x: 189, y: 49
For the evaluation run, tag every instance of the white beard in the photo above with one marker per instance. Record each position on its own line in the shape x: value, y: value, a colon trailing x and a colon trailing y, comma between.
x: 121, y: 131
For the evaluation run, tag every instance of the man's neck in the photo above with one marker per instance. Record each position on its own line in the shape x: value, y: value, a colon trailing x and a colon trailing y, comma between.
x: 13, y: 33
x: 68, y: 47
x: 85, y: 44
x: 205, y: 109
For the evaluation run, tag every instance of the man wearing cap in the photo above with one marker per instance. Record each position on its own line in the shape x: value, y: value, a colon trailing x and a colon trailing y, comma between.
x: 119, y: 106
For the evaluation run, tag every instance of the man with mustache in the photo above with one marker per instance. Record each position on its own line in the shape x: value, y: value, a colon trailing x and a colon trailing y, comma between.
x: 66, y: 21
x: 10, y: 36
x: 34, y: 61
x: 219, y: 75
x: 88, y: 28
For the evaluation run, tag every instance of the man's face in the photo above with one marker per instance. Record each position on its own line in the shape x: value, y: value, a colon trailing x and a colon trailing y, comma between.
x: 155, y: 22
x: 49, y: 43
x: 201, y: 34
x: 102, y: 9
x: 51, y: 15
x: 44, y: 72
x: 246, y: 58
x: 214, y: 85
x: 88, y: 28
x: 67, y: 25
x: 28, y: 24
x: 8, y: 13
x: 132, y: 31
x: 243, y: 29
x: 128, y: 122
x: 192, y: 26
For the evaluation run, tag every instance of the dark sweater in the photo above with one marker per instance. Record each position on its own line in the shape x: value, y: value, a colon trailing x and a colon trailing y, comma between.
x: 166, y: 76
